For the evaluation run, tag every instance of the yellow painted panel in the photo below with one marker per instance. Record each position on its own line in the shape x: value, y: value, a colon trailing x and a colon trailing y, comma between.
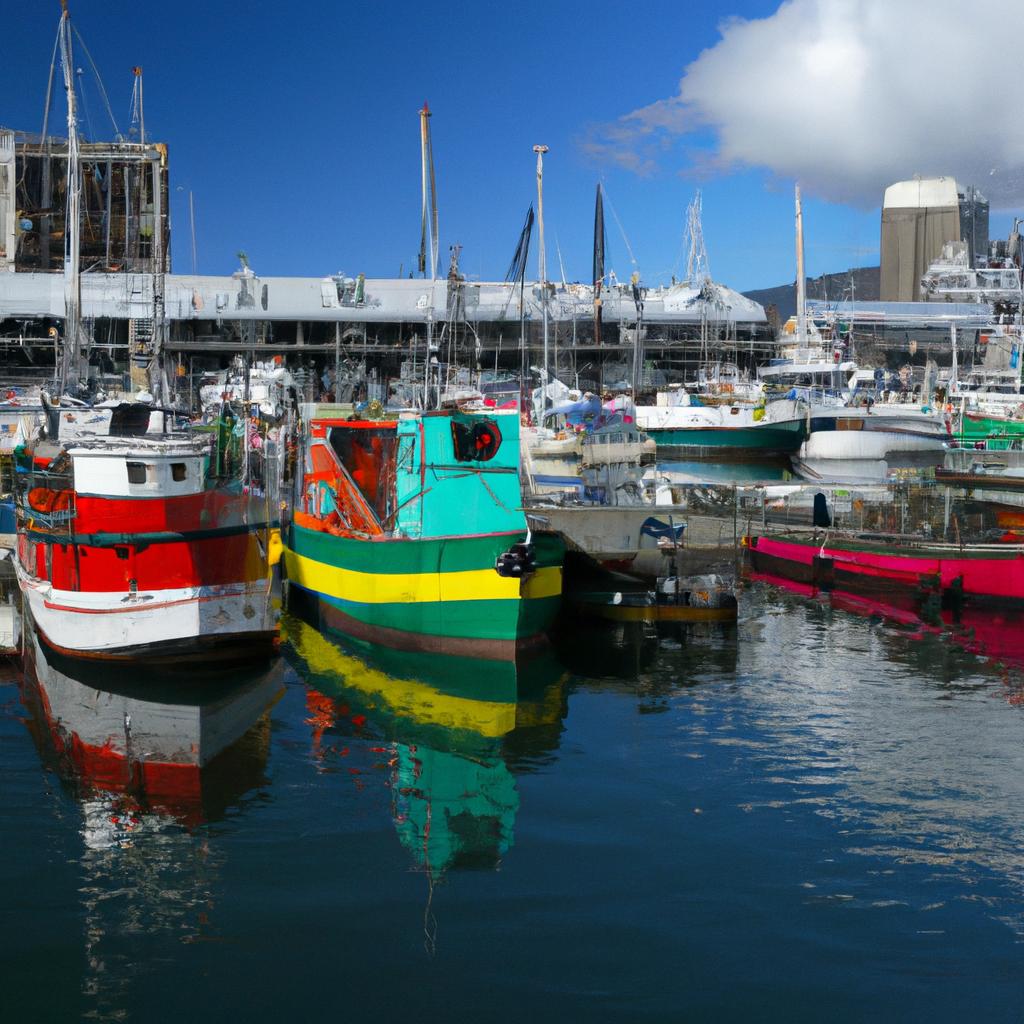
x: 406, y: 588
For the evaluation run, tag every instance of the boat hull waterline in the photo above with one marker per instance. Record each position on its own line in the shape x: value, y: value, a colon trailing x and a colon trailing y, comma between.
x: 428, y: 595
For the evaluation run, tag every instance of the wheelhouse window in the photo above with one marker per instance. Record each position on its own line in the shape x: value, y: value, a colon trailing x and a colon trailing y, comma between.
x: 178, y: 471
x: 368, y: 455
x: 136, y: 472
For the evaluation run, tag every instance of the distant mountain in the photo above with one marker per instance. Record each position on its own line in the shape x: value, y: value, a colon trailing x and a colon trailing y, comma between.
x: 866, y: 282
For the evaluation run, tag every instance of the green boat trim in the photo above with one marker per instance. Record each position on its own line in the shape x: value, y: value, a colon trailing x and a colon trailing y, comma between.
x: 785, y: 438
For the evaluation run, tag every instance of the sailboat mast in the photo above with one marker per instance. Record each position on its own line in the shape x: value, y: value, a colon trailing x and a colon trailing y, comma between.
x: 428, y: 235
x: 542, y: 267
x: 801, y: 280
x: 599, y: 247
x: 71, y: 354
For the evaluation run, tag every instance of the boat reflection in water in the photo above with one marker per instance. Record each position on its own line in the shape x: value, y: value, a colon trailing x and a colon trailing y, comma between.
x: 148, y: 762
x: 451, y: 728
x: 995, y: 635
x: 184, y: 748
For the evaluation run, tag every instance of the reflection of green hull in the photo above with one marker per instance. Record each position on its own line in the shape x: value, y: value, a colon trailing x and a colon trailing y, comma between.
x: 998, y: 433
x: 454, y: 799
x: 430, y: 698
x: 783, y: 438
x: 430, y: 594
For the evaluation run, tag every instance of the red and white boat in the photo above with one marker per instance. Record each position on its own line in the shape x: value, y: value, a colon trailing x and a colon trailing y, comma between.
x: 137, y: 542
x: 130, y: 548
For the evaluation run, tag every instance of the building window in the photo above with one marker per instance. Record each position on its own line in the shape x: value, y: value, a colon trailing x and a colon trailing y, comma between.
x: 136, y: 472
x: 177, y: 470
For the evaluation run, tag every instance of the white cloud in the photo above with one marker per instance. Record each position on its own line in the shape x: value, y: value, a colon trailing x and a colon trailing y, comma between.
x: 848, y: 96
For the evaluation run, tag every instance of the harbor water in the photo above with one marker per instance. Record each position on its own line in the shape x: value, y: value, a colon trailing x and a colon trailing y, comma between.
x: 815, y: 814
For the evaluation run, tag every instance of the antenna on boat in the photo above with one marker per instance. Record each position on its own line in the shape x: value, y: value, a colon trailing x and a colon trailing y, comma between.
x: 542, y: 268
x: 138, y: 117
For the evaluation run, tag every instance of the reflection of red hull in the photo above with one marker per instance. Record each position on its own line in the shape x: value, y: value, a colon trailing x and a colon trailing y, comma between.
x: 151, y: 750
x: 989, y: 634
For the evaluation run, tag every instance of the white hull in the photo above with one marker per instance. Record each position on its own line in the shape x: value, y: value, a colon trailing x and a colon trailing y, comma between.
x: 120, y: 626
x: 867, y: 444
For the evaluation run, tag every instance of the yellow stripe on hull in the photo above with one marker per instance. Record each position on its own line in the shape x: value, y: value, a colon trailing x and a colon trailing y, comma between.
x: 408, y: 588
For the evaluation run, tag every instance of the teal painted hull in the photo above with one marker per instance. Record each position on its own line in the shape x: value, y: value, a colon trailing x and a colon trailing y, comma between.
x: 783, y: 439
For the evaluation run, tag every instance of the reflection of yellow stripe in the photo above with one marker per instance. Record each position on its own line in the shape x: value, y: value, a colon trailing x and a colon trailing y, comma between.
x: 401, y: 588
x: 404, y: 697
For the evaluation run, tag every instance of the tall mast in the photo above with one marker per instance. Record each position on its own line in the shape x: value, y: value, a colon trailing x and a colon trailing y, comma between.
x: 428, y: 235
x: 71, y: 356
x: 599, y: 247
x: 428, y: 230
x: 801, y: 282
x: 542, y: 267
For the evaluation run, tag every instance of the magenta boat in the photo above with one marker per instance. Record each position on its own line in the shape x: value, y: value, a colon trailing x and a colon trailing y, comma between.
x: 877, y: 565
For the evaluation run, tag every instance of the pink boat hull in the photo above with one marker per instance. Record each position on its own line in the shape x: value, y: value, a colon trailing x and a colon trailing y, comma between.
x: 977, y: 573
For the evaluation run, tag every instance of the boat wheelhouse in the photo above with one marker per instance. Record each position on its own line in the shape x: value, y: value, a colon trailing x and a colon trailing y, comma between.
x: 410, y: 533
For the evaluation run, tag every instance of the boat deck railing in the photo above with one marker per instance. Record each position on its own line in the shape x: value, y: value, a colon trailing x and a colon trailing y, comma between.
x: 54, y: 514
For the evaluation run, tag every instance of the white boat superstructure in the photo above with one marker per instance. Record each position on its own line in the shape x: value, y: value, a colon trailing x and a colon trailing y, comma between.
x: 589, y: 451
x: 267, y: 388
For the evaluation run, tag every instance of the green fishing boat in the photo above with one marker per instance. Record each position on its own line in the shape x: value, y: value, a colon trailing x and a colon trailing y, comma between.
x: 996, y: 432
x: 410, y: 534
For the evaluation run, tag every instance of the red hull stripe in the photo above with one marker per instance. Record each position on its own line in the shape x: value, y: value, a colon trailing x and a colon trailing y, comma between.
x: 95, y: 513
x: 134, y: 537
x: 173, y: 565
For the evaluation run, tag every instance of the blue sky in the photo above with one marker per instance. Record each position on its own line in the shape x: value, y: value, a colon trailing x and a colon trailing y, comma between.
x: 295, y: 126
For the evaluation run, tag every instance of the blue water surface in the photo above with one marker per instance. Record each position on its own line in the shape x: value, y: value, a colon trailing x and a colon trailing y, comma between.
x: 816, y: 815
